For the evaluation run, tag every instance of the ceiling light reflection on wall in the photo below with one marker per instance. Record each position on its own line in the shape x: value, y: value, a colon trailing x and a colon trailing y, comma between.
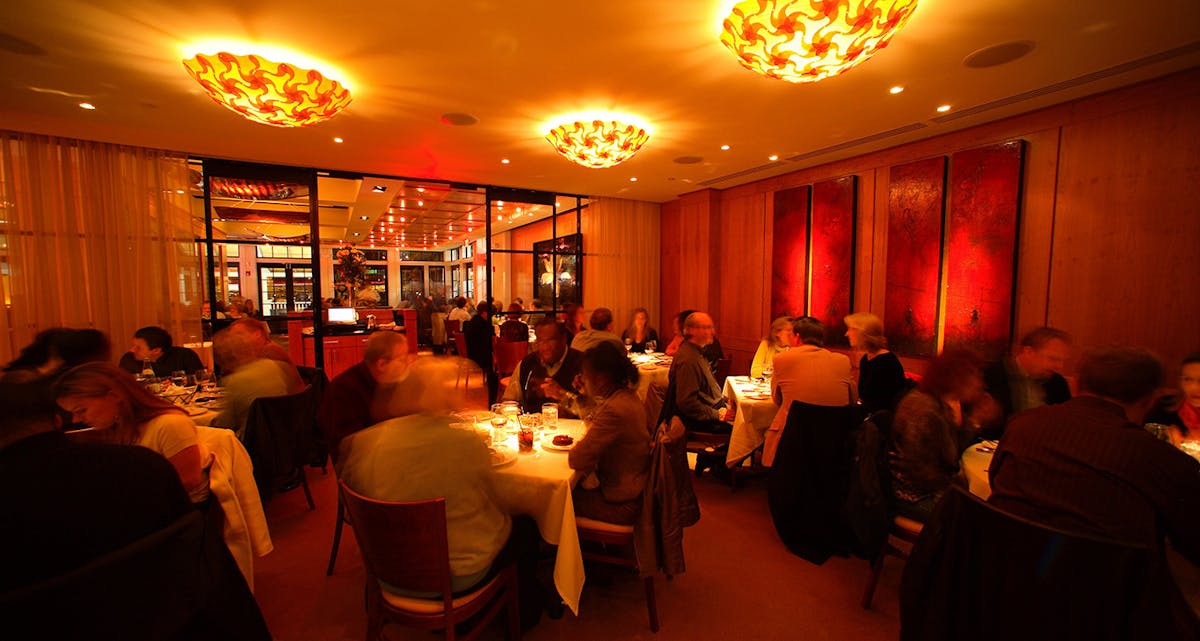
x: 597, y: 142
x: 272, y: 93
x: 808, y: 41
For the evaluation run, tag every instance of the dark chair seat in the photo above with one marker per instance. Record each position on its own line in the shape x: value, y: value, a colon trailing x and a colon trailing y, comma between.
x: 281, y: 440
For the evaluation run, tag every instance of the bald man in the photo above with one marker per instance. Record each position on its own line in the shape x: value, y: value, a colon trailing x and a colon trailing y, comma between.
x: 347, y: 406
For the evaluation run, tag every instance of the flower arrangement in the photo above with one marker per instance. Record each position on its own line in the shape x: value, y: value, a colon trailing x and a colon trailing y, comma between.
x: 351, y: 267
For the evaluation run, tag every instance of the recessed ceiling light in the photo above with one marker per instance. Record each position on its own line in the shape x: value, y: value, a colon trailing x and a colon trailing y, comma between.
x: 895, y: 90
x: 87, y: 105
x: 773, y: 157
x: 420, y: 203
x: 943, y: 109
x: 420, y: 190
x: 338, y: 139
x: 363, y: 217
x: 633, y: 179
x: 379, y: 189
x: 357, y: 234
x: 724, y: 147
x: 503, y: 161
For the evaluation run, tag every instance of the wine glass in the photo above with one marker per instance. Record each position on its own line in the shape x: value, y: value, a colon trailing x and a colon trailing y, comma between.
x: 767, y: 371
x: 651, y: 346
x: 628, y: 344
x: 498, y: 420
x: 179, y: 378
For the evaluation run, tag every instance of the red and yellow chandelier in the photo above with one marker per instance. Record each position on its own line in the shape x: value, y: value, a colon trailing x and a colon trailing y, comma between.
x: 273, y: 93
x: 597, y: 142
x: 809, y: 40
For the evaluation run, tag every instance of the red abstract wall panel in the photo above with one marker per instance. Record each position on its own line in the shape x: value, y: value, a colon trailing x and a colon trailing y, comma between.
x: 981, y: 233
x: 789, y: 252
x: 832, y: 247
x: 916, y: 197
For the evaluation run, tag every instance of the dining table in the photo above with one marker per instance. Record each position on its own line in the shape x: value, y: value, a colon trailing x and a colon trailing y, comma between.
x: 754, y: 410
x: 539, y: 484
x: 653, y: 369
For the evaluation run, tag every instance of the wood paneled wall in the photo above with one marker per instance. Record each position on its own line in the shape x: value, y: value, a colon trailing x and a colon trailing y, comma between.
x: 1109, y: 245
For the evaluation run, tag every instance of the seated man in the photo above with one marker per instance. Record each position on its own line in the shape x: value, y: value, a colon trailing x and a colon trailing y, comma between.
x: 548, y: 373
x: 600, y: 331
x: 808, y: 373
x: 247, y: 378
x: 697, y: 401
x: 459, y: 312
x: 1086, y: 466
x: 154, y: 344
x: 346, y: 407
x: 513, y: 329
x: 478, y: 335
x: 1030, y: 377
x: 259, y: 334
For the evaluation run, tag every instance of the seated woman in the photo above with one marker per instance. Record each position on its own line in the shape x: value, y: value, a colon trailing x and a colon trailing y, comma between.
x: 617, y: 445
x: 673, y: 346
x: 124, y: 412
x: 639, y: 332
x: 1181, y: 413
x: 881, y: 378
x: 779, y: 339
x: 929, y: 431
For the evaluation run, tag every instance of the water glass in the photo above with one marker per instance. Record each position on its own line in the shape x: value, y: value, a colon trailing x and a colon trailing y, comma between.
x: 204, y: 379
x: 550, y: 417
x: 179, y: 378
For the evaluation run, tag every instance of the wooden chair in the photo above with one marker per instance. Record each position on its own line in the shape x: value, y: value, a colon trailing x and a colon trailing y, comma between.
x: 902, y: 529
x: 721, y: 372
x: 405, y: 546
x: 508, y: 355
x: 616, y: 548
x: 279, y: 436
x: 453, y: 330
x: 337, y: 534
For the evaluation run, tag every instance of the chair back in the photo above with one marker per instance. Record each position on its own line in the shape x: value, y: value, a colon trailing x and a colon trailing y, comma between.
x: 316, y: 377
x: 868, y: 498
x: 280, y: 437
x: 721, y: 372
x: 668, y: 504
x: 808, y: 481
x: 452, y: 327
x: 175, y: 583
x: 460, y: 344
x: 978, y: 572
x: 403, y: 544
x: 509, y: 355
x: 656, y: 395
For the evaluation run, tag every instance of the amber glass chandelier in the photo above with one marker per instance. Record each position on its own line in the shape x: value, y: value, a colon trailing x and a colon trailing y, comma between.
x: 597, y: 143
x: 809, y: 40
x: 273, y: 93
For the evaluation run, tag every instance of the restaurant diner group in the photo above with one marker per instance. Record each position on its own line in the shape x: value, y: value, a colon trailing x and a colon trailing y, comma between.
x: 99, y: 449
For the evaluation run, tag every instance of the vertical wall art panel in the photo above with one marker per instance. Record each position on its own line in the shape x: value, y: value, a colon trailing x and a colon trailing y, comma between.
x: 916, y: 197
x: 789, y: 252
x: 832, y: 247
x: 981, y: 232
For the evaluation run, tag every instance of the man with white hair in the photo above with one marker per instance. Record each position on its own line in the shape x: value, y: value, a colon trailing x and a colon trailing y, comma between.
x: 248, y: 377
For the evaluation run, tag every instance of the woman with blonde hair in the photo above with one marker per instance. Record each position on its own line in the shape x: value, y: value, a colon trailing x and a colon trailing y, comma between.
x: 778, y: 339
x: 124, y: 412
x: 881, y: 378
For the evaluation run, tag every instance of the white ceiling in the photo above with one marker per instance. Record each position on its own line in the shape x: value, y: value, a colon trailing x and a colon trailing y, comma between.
x: 515, y: 63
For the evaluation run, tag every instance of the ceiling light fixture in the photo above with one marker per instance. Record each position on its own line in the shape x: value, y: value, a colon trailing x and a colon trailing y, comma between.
x: 363, y: 217
x: 379, y: 189
x: 633, y: 179
x: 272, y: 93
x: 724, y: 147
x: 338, y: 139
x: 943, y: 109
x: 807, y: 41
x: 503, y: 161
x: 87, y: 105
x: 597, y: 141
x: 895, y: 90
x: 772, y: 157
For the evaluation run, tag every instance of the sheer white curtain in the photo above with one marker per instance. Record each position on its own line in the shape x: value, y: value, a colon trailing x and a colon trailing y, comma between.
x: 94, y: 235
x: 621, y: 268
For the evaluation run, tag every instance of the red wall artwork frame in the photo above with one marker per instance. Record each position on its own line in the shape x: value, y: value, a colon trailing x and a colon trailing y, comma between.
x: 832, y: 233
x: 916, y: 210
x: 981, y: 237
x: 789, y: 252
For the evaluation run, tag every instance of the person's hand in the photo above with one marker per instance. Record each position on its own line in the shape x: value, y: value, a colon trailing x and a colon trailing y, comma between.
x: 551, y: 389
x: 725, y: 414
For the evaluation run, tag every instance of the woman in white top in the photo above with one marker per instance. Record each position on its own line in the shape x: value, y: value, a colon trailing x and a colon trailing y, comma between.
x: 778, y: 339
x: 123, y: 411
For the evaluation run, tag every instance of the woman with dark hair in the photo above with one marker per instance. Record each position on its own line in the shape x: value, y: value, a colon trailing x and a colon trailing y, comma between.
x: 38, y: 359
x: 1181, y: 412
x: 639, y: 331
x: 930, y: 432
x: 124, y: 412
x: 881, y: 379
x: 677, y: 340
x: 617, y: 445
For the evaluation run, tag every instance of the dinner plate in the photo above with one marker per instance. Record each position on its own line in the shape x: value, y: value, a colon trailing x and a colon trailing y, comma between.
x: 758, y: 397
x: 548, y: 444
x: 193, y: 410
x: 503, y: 456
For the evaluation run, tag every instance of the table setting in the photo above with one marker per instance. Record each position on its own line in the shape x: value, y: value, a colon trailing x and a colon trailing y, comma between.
x: 532, y: 476
x: 653, y: 368
x: 754, y: 412
x: 197, y: 394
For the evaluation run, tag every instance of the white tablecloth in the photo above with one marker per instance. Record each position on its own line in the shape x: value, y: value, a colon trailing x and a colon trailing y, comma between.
x: 539, y: 484
x: 975, y: 467
x: 652, y: 369
x: 754, y: 412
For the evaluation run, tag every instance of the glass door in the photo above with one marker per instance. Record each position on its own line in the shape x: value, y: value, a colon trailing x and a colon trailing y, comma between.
x: 284, y: 288
x: 412, y: 283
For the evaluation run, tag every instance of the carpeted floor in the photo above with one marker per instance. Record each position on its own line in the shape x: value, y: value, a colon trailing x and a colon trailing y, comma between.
x: 741, y: 583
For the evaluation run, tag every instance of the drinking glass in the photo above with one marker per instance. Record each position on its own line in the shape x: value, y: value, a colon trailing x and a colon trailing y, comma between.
x: 499, y: 420
x: 204, y: 379
x: 628, y: 344
x: 179, y: 378
x: 651, y: 346
x: 550, y: 417
x: 767, y: 372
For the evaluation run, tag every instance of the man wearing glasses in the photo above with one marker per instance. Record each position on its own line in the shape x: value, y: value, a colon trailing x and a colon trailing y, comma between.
x: 548, y: 373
